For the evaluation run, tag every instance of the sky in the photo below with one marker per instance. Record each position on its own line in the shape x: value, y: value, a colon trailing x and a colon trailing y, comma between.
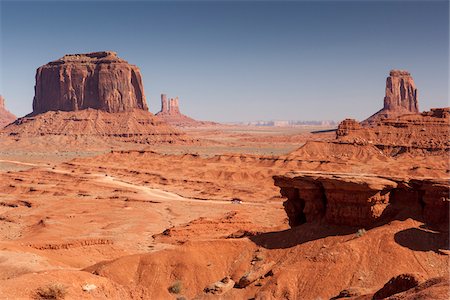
x: 239, y: 60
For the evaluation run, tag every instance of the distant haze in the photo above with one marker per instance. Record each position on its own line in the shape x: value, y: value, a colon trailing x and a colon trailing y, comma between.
x: 239, y: 61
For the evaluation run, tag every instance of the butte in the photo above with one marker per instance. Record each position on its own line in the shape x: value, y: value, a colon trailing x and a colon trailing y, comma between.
x: 6, y: 117
x: 92, y: 95
x: 170, y: 113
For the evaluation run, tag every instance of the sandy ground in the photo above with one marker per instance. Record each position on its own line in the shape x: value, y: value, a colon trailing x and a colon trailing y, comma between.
x: 135, y: 222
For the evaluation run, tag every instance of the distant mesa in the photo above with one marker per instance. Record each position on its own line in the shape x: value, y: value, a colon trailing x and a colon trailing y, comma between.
x: 98, y: 80
x: 401, y: 97
x: 92, y: 94
x: 170, y: 113
x: 6, y: 117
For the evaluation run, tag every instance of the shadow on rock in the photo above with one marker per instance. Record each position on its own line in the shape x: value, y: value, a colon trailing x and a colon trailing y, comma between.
x: 298, y: 235
x: 419, y: 239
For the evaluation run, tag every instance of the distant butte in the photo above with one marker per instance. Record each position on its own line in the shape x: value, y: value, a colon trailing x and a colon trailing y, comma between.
x: 6, y: 117
x: 170, y: 113
x: 92, y: 94
x: 98, y: 80
x: 401, y: 97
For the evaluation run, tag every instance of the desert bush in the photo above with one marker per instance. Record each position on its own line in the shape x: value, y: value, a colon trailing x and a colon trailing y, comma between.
x: 360, y: 232
x: 52, y: 291
x: 176, y: 287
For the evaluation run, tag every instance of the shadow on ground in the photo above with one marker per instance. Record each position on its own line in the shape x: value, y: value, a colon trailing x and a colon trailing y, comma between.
x: 298, y: 235
x: 421, y: 239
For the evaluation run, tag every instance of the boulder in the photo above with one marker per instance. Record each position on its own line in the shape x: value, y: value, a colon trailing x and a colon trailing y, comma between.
x: 256, y: 273
x: 220, y: 287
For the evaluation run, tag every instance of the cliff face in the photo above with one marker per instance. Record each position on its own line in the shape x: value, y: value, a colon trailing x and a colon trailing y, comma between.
x: 6, y: 117
x: 98, y: 80
x: 362, y: 200
x: 425, y: 133
x: 401, y: 92
x: 401, y: 97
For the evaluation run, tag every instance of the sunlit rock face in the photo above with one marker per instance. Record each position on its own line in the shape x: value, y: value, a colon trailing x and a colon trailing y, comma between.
x: 99, y: 80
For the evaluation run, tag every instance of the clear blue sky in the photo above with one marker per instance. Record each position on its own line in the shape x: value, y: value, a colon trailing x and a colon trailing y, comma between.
x: 240, y: 60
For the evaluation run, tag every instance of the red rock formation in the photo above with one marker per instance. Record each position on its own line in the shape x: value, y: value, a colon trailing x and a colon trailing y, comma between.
x: 347, y: 126
x: 5, y: 116
x: 420, y: 133
x: 98, y: 80
x: 137, y: 126
x: 362, y: 200
x: 401, y: 92
x: 172, y: 115
x: 401, y: 97
x: 94, y: 94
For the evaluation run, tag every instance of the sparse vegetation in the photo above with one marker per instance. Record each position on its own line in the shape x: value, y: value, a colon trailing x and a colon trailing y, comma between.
x: 52, y: 291
x: 360, y: 232
x: 176, y: 287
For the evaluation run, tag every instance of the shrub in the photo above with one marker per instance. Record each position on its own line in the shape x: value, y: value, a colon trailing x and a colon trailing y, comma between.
x: 360, y: 232
x: 176, y: 287
x: 54, y: 291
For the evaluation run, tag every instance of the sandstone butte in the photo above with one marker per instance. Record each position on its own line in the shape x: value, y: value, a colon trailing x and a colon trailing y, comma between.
x: 6, y: 117
x: 170, y: 113
x: 92, y: 94
x: 401, y: 97
x: 98, y: 80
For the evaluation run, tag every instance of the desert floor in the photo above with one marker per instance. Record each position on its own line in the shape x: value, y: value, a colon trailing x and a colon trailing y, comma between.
x: 134, y: 220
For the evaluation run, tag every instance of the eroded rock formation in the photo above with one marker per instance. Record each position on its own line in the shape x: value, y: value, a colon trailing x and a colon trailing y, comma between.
x: 419, y: 133
x: 6, y: 117
x: 94, y: 94
x: 170, y: 113
x: 362, y: 199
x: 401, y: 97
x: 99, y: 80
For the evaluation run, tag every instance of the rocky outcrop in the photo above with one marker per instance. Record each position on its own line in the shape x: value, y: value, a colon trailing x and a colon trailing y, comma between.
x: 347, y: 126
x: 401, y: 97
x: 420, y: 133
x: 362, y: 199
x: 170, y: 113
x: 6, y: 117
x: 220, y: 287
x: 137, y: 126
x: 99, y: 80
x: 401, y: 92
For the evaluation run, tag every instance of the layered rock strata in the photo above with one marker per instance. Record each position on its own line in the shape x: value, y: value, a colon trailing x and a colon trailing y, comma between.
x: 6, y: 117
x: 137, y: 126
x: 362, y: 199
x: 420, y: 133
x: 98, y: 80
x: 95, y: 95
x: 401, y: 97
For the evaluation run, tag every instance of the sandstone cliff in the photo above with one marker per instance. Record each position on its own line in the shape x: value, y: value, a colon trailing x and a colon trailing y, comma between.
x: 401, y: 97
x: 99, y: 80
x: 425, y: 133
x: 363, y: 199
x: 6, y: 117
